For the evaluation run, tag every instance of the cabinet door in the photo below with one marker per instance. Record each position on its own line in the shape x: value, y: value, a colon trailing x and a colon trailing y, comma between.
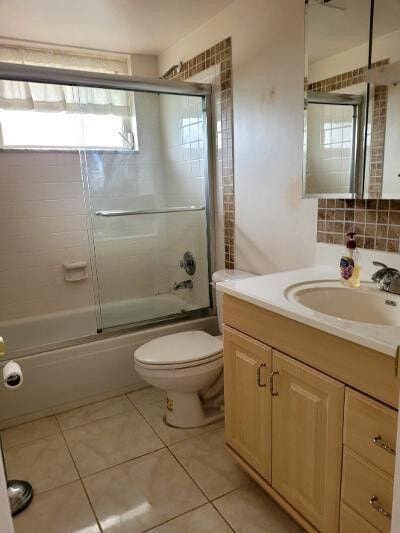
x: 307, y: 414
x: 247, y: 366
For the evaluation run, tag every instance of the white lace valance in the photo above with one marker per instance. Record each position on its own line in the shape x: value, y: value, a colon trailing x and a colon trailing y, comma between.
x: 16, y: 95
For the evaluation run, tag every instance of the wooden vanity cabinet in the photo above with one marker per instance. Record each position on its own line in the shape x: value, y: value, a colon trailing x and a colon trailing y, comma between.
x: 307, y: 415
x: 290, y: 419
x: 247, y: 404
x: 293, y: 423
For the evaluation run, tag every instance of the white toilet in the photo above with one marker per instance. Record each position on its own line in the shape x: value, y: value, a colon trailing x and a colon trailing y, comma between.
x: 183, y: 364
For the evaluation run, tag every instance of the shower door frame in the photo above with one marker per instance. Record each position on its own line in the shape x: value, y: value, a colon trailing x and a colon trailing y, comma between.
x: 76, y: 78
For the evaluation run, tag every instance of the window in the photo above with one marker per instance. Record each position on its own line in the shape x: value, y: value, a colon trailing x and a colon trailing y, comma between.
x: 46, y: 116
x: 44, y: 130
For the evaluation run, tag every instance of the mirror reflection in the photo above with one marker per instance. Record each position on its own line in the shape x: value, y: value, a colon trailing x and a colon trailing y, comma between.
x: 337, y: 50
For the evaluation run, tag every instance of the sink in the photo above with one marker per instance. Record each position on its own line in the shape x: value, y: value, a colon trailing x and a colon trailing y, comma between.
x: 365, y: 304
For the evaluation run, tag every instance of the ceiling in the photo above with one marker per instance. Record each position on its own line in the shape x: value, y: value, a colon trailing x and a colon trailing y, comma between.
x: 134, y: 26
x: 330, y: 31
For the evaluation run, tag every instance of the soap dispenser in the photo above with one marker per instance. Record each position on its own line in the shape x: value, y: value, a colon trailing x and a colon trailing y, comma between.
x: 350, y: 267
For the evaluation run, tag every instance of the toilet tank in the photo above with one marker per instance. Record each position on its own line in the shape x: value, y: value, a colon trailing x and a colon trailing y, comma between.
x: 226, y: 275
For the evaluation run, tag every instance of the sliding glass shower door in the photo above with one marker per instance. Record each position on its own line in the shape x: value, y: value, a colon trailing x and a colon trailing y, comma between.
x: 147, y: 192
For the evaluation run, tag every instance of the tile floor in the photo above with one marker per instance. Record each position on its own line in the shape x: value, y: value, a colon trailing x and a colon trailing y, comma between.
x: 115, y: 466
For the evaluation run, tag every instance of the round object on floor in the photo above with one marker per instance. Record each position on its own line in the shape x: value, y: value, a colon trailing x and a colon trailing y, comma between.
x: 20, y: 494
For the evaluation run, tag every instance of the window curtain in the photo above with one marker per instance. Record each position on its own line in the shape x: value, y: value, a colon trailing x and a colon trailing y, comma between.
x: 15, y: 95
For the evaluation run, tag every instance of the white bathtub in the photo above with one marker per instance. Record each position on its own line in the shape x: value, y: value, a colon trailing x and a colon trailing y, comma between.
x: 27, y: 335
x: 63, y: 378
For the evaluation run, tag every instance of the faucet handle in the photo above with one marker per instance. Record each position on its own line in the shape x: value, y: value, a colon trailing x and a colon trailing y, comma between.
x: 379, y: 264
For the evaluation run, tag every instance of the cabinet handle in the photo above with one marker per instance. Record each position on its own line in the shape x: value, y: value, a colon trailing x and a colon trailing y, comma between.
x: 383, y: 444
x: 374, y: 503
x: 259, y: 375
x: 271, y: 383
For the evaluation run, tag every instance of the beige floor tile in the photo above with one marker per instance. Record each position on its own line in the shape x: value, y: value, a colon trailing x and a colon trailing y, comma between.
x: 95, y: 411
x: 46, y: 463
x: 62, y: 510
x: 205, y: 519
x: 142, y: 493
x: 209, y: 464
x: 251, y: 510
x: 111, y: 441
x: 154, y: 414
x: 147, y: 396
x: 24, y: 433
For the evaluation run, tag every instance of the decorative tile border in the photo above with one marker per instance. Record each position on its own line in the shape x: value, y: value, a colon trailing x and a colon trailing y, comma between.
x: 376, y: 222
x: 220, y: 54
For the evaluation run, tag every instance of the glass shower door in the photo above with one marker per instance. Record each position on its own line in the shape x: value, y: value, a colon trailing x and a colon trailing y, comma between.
x: 147, y: 193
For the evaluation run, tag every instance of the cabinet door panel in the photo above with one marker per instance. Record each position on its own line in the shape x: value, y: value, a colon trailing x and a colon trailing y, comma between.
x: 307, y: 428
x: 247, y: 366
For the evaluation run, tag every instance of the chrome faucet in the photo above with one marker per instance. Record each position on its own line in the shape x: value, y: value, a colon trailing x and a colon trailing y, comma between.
x: 387, y: 278
x: 187, y: 284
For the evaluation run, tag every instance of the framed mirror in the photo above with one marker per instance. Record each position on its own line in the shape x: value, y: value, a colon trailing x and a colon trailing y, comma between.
x: 337, y: 59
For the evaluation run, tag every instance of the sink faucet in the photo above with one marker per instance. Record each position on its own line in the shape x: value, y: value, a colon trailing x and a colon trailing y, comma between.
x: 187, y: 284
x: 387, y: 278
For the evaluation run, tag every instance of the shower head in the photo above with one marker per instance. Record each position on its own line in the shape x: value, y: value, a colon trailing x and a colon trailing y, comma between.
x: 176, y: 68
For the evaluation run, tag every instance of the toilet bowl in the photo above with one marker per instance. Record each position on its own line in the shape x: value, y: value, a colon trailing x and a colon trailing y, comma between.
x: 184, y: 364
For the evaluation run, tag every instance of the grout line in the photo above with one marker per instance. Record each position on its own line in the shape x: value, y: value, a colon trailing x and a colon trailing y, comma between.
x: 80, y: 479
x: 188, y: 474
x: 26, y: 443
x: 211, y: 501
x: 174, y: 517
x: 99, y: 419
x: 221, y: 515
x: 109, y: 467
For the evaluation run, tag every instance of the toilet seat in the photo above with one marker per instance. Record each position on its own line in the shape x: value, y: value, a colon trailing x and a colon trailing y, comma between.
x: 179, y: 350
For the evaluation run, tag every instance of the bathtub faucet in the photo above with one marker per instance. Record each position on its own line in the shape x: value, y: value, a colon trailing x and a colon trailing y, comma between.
x: 187, y: 284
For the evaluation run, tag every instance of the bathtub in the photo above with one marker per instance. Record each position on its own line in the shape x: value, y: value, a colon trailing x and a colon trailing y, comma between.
x: 39, y: 333
x: 62, y: 378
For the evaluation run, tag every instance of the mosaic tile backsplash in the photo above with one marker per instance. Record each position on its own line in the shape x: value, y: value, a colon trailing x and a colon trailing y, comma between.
x: 376, y: 222
x: 220, y: 54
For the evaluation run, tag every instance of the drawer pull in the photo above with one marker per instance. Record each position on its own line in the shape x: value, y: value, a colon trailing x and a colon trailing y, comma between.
x: 259, y: 375
x: 374, y: 503
x: 383, y: 444
x: 271, y: 383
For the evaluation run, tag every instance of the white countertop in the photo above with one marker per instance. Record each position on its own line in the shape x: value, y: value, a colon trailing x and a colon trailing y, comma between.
x: 268, y: 292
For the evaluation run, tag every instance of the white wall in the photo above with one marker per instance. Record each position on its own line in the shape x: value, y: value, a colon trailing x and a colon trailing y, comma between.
x: 275, y: 229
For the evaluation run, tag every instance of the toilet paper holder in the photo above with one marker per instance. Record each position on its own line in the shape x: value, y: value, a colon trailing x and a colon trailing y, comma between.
x: 14, y: 379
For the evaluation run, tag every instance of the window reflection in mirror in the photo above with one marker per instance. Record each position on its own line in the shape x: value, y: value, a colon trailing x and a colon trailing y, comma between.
x: 382, y: 179
x: 333, y: 123
x: 337, y: 53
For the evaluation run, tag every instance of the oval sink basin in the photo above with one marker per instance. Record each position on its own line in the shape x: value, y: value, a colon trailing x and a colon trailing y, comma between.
x: 365, y: 304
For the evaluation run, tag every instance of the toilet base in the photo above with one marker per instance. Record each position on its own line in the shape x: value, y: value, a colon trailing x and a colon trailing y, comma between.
x: 184, y: 410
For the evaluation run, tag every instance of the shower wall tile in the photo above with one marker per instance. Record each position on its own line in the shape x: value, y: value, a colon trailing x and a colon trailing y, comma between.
x: 184, y: 149
x: 43, y: 225
x: 219, y: 55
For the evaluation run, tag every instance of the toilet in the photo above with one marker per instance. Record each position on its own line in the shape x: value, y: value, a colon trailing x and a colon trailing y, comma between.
x: 184, y: 364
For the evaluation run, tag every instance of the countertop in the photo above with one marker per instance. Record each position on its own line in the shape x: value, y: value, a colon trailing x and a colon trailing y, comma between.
x: 268, y: 292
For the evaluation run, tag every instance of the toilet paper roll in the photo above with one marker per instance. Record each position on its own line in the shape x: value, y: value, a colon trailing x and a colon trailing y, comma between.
x: 12, y: 375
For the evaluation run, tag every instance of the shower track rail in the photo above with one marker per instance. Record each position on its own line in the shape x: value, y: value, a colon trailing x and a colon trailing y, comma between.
x: 150, y: 211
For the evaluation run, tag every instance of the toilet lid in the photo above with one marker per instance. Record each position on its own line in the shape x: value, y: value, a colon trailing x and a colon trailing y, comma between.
x: 185, y: 347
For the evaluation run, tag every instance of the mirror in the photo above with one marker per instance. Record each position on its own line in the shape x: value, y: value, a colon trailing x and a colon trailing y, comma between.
x: 336, y: 98
x: 382, y: 175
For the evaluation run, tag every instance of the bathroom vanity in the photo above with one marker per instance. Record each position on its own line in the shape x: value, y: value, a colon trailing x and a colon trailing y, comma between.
x: 310, y: 403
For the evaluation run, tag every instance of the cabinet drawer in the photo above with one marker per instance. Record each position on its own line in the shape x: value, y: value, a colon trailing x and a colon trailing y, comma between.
x: 360, y: 483
x: 370, y: 430
x: 351, y: 522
